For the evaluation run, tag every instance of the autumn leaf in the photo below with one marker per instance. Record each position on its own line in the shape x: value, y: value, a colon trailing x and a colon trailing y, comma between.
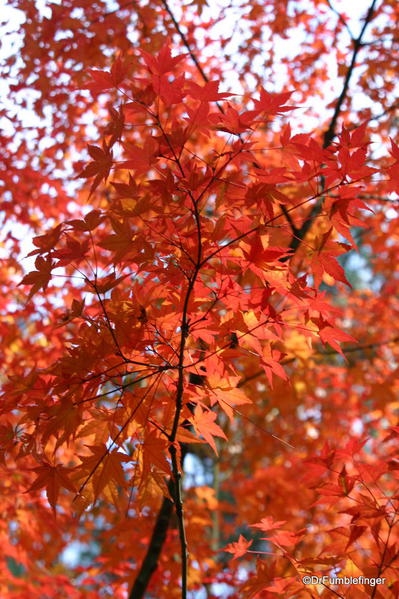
x: 285, y: 538
x: 272, y: 103
x: 324, y: 263
x: 208, y: 92
x: 74, y: 251
x: 89, y: 222
x: 100, y: 81
x: 332, y: 336
x: 164, y: 62
x: 204, y: 425
x: 52, y: 478
x: 226, y: 394
x: 174, y: 384
x: 100, y: 166
x: 238, y: 548
x: 268, y: 524
x: 105, y: 284
x: 355, y: 533
x: 104, y: 468
x: 40, y: 278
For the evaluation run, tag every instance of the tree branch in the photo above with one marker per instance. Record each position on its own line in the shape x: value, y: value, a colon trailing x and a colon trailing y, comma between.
x: 158, y: 537
x: 289, y: 220
x: 162, y: 523
x: 341, y: 19
x: 355, y: 348
x: 187, y: 45
x: 330, y: 133
x: 185, y: 41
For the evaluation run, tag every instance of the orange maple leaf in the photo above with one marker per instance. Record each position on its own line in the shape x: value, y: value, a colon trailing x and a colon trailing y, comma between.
x: 52, y: 478
x: 204, y: 425
x: 238, y: 548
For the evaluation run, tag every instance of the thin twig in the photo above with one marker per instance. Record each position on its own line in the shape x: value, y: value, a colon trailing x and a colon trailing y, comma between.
x: 288, y: 218
x: 329, y: 352
x: 114, y: 440
x: 185, y: 329
x: 341, y: 18
x: 125, y: 386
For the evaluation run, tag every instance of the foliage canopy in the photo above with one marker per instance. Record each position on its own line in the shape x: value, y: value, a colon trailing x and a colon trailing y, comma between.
x: 200, y: 350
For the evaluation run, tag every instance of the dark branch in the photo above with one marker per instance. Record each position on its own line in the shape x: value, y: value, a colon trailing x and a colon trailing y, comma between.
x: 331, y: 131
x: 187, y: 45
x: 357, y: 44
x: 158, y: 537
x: 157, y: 541
x: 185, y: 41
x: 162, y: 523
x: 289, y: 220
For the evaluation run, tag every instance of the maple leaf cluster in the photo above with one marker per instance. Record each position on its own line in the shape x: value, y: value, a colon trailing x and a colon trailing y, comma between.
x: 200, y: 392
